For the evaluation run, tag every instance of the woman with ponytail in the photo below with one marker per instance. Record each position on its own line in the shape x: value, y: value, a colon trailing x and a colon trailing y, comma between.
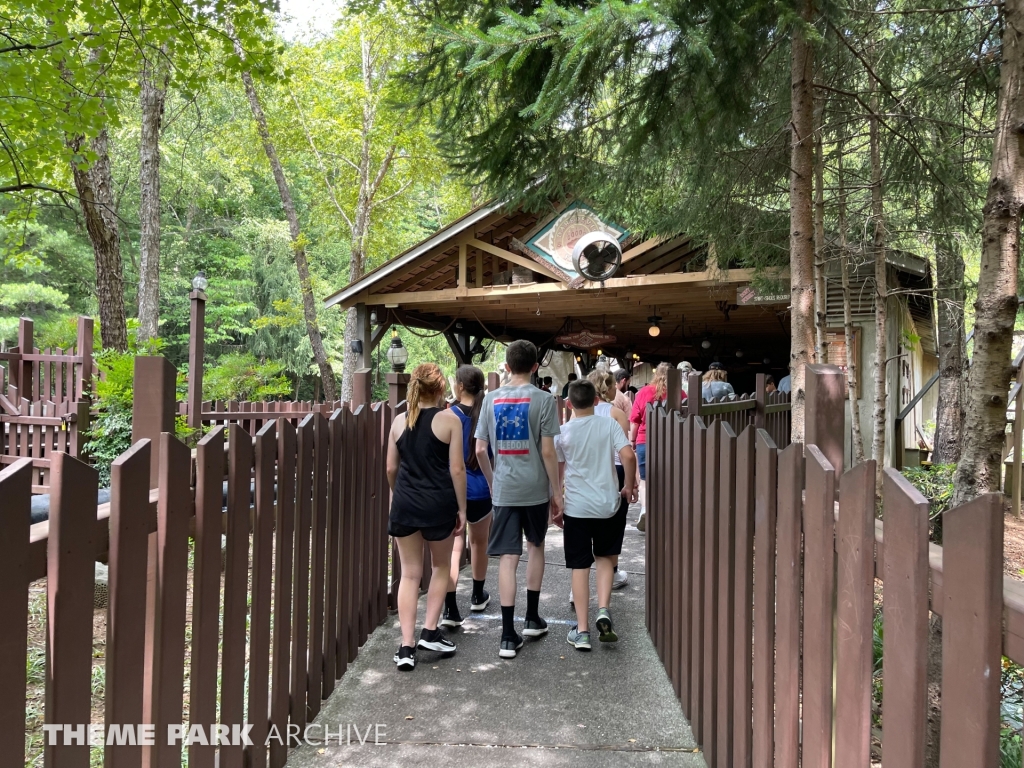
x: 469, y: 394
x: 427, y: 475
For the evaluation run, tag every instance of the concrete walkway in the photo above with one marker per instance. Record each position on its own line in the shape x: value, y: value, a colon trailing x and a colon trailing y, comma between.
x: 551, y: 706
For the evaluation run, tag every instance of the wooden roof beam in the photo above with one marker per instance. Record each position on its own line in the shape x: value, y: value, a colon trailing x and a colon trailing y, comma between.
x: 515, y: 258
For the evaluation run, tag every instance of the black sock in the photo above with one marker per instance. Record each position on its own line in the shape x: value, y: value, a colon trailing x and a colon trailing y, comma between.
x: 615, y: 569
x: 478, y: 587
x: 508, y: 626
x: 533, y: 603
x: 450, y: 603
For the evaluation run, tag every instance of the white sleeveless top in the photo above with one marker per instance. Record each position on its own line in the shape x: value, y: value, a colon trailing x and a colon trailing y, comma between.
x: 605, y: 409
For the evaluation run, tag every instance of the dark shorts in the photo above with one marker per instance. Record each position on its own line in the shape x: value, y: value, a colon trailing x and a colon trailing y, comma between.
x: 430, y: 533
x: 641, y: 459
x: 477, y: 509
x: 588, y: 537
x: 509, y: 525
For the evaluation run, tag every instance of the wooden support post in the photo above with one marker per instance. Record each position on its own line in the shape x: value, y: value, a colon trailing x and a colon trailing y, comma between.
x: 362, y: 389
x: 826, y: 412
x: 398, y: 384
x: 479, y: 269
x: 493, y: 381
x: 83, y: 346
x: 463, y: 267
x: 674, y: 389
x: 196, y: 355
x: 24, y: 380
x: 153, y: 409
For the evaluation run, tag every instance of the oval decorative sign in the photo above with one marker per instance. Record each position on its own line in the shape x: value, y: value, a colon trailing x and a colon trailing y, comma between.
x: 586, y: 339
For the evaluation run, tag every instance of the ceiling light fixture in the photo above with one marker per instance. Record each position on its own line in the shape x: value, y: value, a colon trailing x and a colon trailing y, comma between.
x: 654, y: 330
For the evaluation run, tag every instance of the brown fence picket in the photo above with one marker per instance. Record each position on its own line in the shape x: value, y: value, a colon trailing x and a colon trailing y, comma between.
x: 303, y: 575
x: 971, y: 632
x: 259, y: 623
x: 166, y: 601
x: 381, y: 506
x: 696, y: 667
x: 347, y: 644
x: 905, y: 621
x: 284, y: 558
x: 236, y: 574
x: 672, y: 563
x: 334, y: 519
x: 787, y: 605
x: 766, y: 478
x: 744, y: 600
x: 855, y: 540
x: 726, y: 592
x: 202, y: 709
x: 15, y: 498
x: 364, y: 416
x: 819, y: 581
x: 652, y: 558
x: 652, y: 542
x: 318, y: 558
x: 682, y: 569
x: 709, y: 701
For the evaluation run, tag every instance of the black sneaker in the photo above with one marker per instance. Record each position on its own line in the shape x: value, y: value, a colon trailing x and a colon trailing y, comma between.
x: 535, y: 627
x: 479, y: 602
x: 406, y: 658
x: 451, y: 617
x: 509, y: 646
x: 435, y: 641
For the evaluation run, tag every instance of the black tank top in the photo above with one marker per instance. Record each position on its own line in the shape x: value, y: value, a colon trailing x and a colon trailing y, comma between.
x: 424, y: 494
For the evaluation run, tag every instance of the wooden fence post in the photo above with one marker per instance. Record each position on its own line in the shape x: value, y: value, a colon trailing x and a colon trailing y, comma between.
x: 15, y: 498
x: 398, y: 384
x: 153, y: 408
x: 972, y: 625
x: 674, y: 389
x: 743, y: 629
x: 694, y: 395
x: 25, y: 381
x: 826, y: 413
x: 788, y: 588
x: 493, y: 381
x: 726, y: 592
x: 362, y: 388
x: 196, y: 355
x: 84, y: 344
x: 760, y: 400
x: 765, y: 501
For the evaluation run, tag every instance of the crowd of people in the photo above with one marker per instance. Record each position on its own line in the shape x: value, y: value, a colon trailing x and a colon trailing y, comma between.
x: 498, y: 467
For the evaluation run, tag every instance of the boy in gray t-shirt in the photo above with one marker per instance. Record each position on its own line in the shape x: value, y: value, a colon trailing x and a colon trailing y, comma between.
x: 519, y: 422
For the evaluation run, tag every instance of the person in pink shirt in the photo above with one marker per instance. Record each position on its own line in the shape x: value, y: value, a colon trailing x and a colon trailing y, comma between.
x: 655, y: 392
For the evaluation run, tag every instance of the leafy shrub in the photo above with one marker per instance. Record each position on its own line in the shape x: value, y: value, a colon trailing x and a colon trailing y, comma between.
x: 240, y: 376
x: 936, y: 484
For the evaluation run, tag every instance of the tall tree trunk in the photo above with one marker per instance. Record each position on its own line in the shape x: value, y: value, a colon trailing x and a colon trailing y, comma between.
x: 95, y: 186
x: 878, y: 418
x: 820, y: 289
x: 852, y: 363
x: 299, y: 252
x: 949, y: 275
x: 979, y: 469
x: 801, y: 213
x: 151, y: 100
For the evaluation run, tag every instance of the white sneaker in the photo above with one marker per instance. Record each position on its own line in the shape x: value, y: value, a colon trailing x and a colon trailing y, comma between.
x: 620, y: 579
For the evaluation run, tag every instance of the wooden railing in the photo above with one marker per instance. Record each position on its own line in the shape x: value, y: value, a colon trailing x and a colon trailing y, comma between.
x: 761, y: 568
x: 36, y: 431
x: 252, y: 415
x: 305, y: 581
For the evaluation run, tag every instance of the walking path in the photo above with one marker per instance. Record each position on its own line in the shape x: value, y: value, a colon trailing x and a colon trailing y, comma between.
x: 551, y: 706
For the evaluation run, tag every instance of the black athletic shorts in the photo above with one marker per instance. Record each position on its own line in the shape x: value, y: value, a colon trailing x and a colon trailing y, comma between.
x: 477, y: 509
x: 509, y: 525
x: 588, y: 537
x: 431, y: 533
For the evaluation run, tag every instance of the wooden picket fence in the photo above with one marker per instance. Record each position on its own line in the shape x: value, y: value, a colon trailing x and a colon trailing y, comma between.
x: 55, y: 375
x: 761, y: 568
x: 36, y: 431
x: 305, y: 582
